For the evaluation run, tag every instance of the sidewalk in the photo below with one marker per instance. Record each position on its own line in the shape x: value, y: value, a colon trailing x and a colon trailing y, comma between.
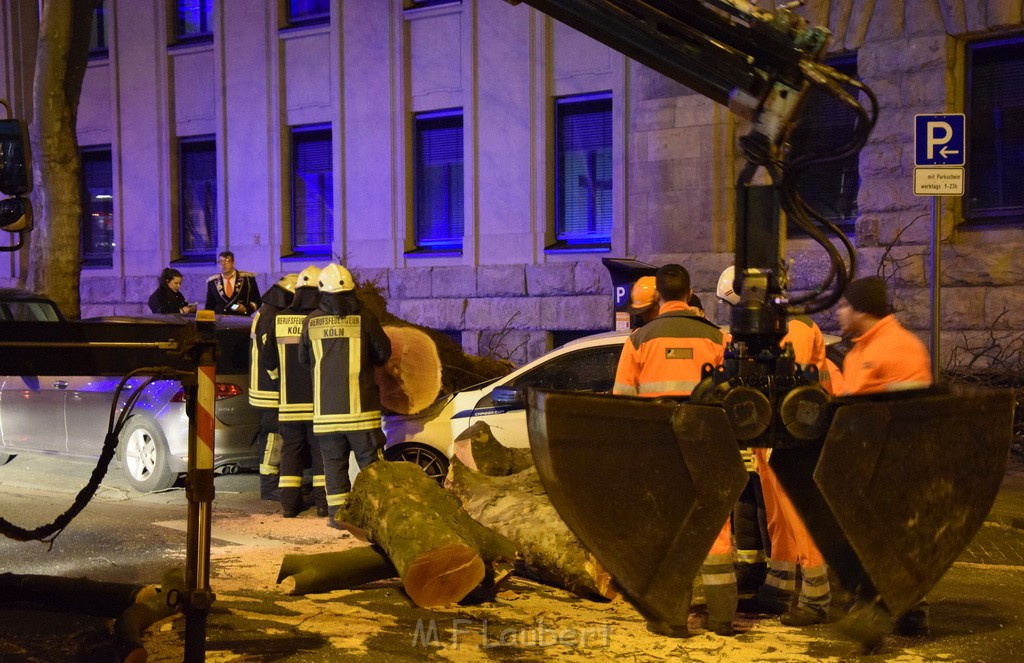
x: 1008, y: 509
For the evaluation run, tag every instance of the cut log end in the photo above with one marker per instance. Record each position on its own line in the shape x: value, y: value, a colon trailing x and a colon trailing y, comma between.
x: 287, y: 585
x: 443, y: 575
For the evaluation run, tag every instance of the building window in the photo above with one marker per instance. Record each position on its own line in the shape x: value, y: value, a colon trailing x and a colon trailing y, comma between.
x: 308, y: 12
x: 826, y: 124
x: 198, y: 204
x: 194, y: 20
x: 98, y: 37
x: 583, y: 174
x: 995, y: 140
x: 417, y: 4
x: 312, y: 191
x: 97, y: 207
x: 439, y: 205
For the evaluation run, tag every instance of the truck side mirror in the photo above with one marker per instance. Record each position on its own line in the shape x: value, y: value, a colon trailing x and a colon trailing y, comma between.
x: 16, y: 215
x: 15, y: 158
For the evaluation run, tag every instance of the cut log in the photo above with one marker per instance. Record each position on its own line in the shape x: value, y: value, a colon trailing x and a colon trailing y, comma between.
x: 149, y: 608
x: 411, y: 378
x: 478, y: 450
x: 441, y: 553
x: 325, y: 572
x: 517, y: 507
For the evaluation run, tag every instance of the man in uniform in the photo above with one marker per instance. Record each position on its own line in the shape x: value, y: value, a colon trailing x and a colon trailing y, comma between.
x: 264, y: 386
x: 295, y: 407
x: 232, y: 292
x: 341, y: 343
x: 885, y: 357
x: 664, y: 358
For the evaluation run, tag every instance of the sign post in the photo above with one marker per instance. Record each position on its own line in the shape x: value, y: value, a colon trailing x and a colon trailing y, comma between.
x: 939, y: 158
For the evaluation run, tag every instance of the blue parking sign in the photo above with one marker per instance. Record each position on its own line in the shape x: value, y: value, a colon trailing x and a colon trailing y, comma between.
x: 939, y: 140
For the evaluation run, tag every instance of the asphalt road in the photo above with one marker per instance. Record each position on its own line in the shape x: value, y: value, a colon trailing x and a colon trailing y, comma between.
x: 122, y: 536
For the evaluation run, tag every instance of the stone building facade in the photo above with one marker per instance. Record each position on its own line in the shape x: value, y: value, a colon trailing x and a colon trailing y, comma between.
x: 377, y: 62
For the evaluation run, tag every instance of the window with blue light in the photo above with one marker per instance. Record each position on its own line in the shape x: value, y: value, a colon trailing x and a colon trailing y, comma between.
x: 995, y: 131
x: 439, y: 205
x: 197, y: 213
x: 194, y: 20
x: 826, y: 124
x: 308, y: 12
x: 97, y: 227
x: 312, y: 190
x: 583, y: 173
x: 98, y: 37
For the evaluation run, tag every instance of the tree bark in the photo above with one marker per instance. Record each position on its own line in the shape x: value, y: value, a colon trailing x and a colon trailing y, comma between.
x: 478, y: 450
x: 440, y: 553
x: 325, y: 572
x: 517, y: 507
x: 61, y: 57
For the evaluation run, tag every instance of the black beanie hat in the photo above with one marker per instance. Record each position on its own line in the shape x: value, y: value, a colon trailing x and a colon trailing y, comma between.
x: 868, y: 295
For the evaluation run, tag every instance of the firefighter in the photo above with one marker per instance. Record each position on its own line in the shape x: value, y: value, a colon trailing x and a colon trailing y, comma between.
x: 885, y: 357
x: 295, y: 406
x: 664, y: 358
x: 264, y: 386
x: 341, y: 344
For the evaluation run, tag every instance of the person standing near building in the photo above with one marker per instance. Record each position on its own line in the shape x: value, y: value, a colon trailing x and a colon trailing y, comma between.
x: 790, y: 545
x: 664, y: 358
x: 341, y: 343
x: 232, y: 292
x: 264, y: 386
x: 167, y: 297
x: 885, y: 357
x: 295, y: 405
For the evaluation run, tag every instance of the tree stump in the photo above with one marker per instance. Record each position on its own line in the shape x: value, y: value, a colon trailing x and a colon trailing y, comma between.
x: 517, y: 507
x: 441, y: 553
x: 325, y: 572
x: 478, y: 450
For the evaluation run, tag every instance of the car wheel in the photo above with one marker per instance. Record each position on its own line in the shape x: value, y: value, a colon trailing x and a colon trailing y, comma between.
x: 144, y: 456
x: 433, y: 462
x: 6, y: 458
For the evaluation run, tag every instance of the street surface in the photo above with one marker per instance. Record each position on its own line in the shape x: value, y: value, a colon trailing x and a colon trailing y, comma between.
x: 122, y: 536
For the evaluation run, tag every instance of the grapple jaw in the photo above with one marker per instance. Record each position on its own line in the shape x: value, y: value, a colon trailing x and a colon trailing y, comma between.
x: 645, y: 485
x: 893, y: 495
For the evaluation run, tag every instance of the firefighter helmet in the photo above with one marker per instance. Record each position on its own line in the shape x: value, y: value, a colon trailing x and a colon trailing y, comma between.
x: 726, y: 292
x: 335, y: 278
x: 288, y: 282
x: 644, y: 295
x: 308, y: 277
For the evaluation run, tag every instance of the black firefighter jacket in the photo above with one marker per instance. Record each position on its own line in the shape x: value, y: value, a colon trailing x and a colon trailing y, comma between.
x: 264, y: 385
x: 341, y: 343
x: 281, y: 354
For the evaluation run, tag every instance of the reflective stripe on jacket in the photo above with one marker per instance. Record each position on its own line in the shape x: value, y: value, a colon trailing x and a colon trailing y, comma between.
x: 887, y: 357
x: 665, y: 356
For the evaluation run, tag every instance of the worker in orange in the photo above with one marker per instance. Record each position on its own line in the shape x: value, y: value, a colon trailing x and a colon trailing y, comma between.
x: 664, y: 358
x: 791, y: 547
x: 885, y: 357
x: 643, y: 301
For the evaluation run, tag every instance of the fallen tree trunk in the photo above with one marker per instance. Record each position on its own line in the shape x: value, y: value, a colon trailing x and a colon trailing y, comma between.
x: 478, y: 450
x: 441, y: 553
x: 325, y: 572
x: 517, y: 507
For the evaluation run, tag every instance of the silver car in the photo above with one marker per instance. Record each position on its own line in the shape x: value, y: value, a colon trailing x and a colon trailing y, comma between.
x: 67, y: 414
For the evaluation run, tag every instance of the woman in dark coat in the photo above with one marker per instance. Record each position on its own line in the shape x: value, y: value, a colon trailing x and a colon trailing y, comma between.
x: 167, y: 297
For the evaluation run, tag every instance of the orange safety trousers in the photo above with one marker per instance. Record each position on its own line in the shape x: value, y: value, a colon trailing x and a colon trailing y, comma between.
x: 791, y: 542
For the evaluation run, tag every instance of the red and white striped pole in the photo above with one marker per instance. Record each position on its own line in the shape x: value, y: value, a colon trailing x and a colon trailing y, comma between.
x: 199, y: 488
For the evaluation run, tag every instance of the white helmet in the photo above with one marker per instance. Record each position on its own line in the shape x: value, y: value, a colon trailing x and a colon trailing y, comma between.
x: 308, y: 277
x: 335, y: 278
x: 288, y: 282
x: 725, y: 290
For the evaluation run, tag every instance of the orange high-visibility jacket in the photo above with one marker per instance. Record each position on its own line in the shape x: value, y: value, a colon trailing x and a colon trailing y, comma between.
x: 665, y: 356
x: 887, y: 357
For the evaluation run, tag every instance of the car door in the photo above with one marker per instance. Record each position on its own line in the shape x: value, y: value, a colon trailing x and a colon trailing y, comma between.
x: 585, y: 370
x: 32, y: 409
x: 87, y: 411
